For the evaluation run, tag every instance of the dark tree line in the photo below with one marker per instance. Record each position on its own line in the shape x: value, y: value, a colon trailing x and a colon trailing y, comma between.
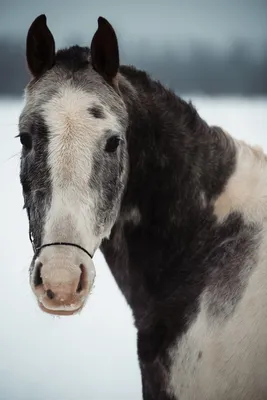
x: 204, y: 71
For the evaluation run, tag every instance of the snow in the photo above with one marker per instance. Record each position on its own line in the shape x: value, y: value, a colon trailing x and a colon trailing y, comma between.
x: 91, y: 355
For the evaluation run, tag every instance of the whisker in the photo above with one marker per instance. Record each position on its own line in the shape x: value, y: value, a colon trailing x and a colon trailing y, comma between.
x: 10, y: 158
x: 14, y: 155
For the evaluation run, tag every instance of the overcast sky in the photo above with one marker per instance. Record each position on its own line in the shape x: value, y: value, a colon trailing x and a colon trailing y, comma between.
x: 218, y: 22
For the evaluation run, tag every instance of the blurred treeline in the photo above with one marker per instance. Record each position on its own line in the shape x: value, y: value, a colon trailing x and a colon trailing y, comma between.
x: 235, y: 72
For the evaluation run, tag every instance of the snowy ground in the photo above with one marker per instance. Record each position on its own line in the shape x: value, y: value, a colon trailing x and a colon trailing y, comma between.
x: 91, y: 356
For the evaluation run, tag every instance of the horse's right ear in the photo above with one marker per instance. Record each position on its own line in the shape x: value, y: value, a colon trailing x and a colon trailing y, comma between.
x: 105, y: 50
x: 40, y: 47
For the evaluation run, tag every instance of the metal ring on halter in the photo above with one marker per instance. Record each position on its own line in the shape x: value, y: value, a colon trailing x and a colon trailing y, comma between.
x: 63, y: 244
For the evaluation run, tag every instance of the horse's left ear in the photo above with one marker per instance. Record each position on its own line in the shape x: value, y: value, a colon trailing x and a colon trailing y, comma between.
x: 105, y: 50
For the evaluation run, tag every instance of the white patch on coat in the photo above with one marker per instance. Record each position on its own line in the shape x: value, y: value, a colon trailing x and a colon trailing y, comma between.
x: 221, y: 360
x: 203, y: 199
x: 246, y: 190
x: 226, y: 358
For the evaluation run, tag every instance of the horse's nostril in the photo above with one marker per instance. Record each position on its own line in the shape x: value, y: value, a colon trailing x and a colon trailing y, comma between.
x: 82, y: 277
x: 37, y: 279
x: 50, y: 294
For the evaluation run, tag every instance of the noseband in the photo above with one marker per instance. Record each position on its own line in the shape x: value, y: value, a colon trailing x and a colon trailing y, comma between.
x: 38, y: 249
x: 62, y: 244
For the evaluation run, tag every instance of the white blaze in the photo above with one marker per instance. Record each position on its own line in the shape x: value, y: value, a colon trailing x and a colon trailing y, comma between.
x: 73, y: 137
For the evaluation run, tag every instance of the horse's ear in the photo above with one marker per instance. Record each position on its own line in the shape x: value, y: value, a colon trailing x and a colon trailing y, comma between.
x: 105, y: 50
x: 40, y: 47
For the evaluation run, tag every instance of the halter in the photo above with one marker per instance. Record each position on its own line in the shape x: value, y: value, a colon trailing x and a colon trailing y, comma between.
x: 63, y: 244
x: 38, y: 249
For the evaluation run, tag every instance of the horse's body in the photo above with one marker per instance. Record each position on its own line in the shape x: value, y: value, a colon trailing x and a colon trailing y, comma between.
x: 187, y: 246
x: 189, y: 252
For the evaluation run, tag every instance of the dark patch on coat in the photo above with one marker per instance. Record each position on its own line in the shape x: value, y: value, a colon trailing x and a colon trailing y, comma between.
x: 109, y: 173
x: 154, y: 381
x: 35, y: 175
x: 225, y: 286
x: 97, y: 112
x: 163, y: 264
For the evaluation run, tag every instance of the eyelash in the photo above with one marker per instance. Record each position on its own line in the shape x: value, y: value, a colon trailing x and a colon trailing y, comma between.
x: 25, y: 140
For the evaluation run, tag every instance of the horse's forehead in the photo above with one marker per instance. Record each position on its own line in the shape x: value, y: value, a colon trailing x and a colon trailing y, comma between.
x: 72, y: 109
x: 73, y: 104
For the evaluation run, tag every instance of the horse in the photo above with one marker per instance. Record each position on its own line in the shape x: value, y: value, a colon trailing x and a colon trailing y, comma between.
x: 113, y: 160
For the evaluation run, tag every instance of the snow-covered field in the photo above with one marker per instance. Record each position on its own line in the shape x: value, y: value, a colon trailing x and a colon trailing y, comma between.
x: 91, y: 356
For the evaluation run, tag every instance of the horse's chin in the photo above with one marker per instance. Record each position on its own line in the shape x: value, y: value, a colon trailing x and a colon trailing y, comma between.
x: 59, y: 312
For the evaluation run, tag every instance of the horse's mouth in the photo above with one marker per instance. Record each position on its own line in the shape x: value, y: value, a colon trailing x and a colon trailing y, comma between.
x: 59, y: 312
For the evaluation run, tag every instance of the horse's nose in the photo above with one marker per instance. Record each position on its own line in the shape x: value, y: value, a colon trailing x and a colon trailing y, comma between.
x: 60, y: 290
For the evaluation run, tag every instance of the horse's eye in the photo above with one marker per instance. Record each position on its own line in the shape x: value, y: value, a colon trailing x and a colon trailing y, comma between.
x: 112, y: 144
x: 26, y: 140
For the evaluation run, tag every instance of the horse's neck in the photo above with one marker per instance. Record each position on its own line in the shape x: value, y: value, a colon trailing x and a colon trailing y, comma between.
x: 178, y: 165
x: 174, y: 155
